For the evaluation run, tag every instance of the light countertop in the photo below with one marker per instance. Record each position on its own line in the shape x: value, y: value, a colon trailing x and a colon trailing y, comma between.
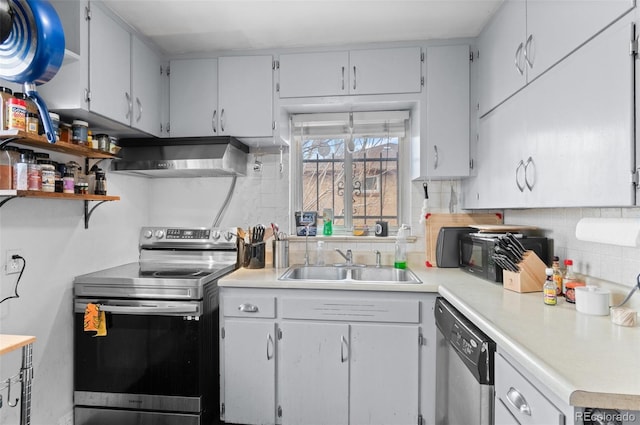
x: 9, y: 343
x: 587, y: 361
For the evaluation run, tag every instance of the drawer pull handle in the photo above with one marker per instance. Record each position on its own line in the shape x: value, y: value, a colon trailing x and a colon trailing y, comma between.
x: 269, y: 347
x: 248, y: 308
x: 344, y: 349
x: 518, y: 401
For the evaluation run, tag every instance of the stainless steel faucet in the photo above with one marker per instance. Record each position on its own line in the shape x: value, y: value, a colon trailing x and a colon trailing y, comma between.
x: 348, y: 256
x: 378, y: 258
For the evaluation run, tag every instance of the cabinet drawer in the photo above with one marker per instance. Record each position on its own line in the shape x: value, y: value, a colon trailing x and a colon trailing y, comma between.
x: 249, y: 306
x: 366, y: 310
x: 523, y: 400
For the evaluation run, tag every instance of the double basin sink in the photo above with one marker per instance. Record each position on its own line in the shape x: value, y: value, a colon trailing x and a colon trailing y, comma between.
x: 343, y: 273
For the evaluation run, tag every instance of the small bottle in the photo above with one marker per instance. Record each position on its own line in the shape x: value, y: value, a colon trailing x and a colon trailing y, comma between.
x: 569, y: 275
x: 320, y: 253
x: 400, y: 259
x: 68, y: 182
x: 549, y: 289
x: 21, y: 171
x: 327, y: 217
x: 101, y: 183
x: 557, y: 275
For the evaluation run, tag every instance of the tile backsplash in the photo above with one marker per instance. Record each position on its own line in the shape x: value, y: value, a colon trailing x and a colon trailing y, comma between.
x: 612, y: 263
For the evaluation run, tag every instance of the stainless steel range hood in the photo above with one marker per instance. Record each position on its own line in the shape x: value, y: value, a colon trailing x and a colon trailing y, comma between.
x: 182, y: 157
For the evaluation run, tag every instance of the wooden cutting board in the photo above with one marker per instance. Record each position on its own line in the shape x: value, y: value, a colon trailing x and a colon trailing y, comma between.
x: 435, y: 221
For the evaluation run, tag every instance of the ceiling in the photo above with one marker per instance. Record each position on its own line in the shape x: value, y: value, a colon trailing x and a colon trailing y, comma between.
x: 186, y: 27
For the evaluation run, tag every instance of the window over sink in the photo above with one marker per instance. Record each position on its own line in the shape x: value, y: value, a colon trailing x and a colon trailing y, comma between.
x: 353, y: 163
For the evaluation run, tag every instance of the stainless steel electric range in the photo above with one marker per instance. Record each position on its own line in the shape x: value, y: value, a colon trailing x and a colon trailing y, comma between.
x: 158, y: 362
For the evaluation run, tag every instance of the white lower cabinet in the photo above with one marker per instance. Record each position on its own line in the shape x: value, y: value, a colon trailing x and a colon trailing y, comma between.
x: 341, y: 357
x: 249, y: 371
x: 519, y: 401
x: 314, y: 372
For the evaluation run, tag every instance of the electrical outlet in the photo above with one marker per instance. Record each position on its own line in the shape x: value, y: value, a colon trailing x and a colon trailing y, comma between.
x: 12, y: 265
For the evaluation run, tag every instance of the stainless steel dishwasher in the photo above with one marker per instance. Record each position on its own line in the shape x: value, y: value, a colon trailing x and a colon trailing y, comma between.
x: 464, y: 369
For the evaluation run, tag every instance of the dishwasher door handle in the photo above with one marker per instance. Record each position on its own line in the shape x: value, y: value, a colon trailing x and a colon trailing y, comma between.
x: 518, y: 401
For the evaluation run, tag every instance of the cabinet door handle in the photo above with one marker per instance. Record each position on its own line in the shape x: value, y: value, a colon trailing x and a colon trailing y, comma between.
x: 354, y: 77
x: 526, y: 178
x: 520, y: 186
x: 518, y: 401
x: 342, y: 79
x: 213, y: 121
x: 139, y: 109
x: 344, y: 349
x: 222, y: 120
x: 269, y: 346
x: 435, y: 164
x: 527, y: 53
x: 248, y: 308
x: 130, y: 108
x: 517, y: 59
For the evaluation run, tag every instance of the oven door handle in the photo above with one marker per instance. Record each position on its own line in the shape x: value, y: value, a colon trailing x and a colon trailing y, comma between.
x: 150, y: 309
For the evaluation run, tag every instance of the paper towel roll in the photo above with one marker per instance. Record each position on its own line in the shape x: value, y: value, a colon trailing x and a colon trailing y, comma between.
x: 614, y: 231
x: 592, y: 300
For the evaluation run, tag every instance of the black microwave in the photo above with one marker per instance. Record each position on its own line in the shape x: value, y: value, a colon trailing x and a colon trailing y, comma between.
x: 476, y: 250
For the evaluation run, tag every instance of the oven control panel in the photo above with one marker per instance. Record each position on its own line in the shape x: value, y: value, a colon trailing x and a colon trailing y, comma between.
x: 152, y: 235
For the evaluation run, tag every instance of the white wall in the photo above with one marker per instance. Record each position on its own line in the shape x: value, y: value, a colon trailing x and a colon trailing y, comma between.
x: 52, y: 238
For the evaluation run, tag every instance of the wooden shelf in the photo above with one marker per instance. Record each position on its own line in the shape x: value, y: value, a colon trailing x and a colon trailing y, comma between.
x: 55, y: 195
x: 40, y: 142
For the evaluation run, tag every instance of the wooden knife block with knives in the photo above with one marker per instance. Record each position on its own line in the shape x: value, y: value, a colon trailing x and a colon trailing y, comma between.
x: 531, y: 276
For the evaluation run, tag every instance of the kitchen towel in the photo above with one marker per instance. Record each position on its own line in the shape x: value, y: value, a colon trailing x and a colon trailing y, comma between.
x: 95, y: 320
x: 614, y: 231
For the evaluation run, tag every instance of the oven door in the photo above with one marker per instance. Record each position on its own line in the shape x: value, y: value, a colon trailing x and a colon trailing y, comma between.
x: 150, y: 359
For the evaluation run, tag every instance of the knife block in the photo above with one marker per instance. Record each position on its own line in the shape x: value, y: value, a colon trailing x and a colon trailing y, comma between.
x: 531, y: 276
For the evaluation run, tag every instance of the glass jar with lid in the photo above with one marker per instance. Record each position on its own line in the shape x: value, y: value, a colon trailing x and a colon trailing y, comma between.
x: 48, y: 173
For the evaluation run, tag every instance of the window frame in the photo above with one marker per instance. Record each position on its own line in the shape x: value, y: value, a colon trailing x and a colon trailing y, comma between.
x: 404, y: 173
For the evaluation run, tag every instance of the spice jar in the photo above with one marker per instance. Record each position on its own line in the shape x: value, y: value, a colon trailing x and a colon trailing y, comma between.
x: 16, y: 114
x: 32, y: 123
x: 14, y: 153
x: 570, y: 293
x: 34, y: 171
x: 6, y: 169
x: 101, y: 183
x: 79, y: 132
x: 68, y: 182
x: 48, y: 171
x: 5, y: 94
x: 21, y: 170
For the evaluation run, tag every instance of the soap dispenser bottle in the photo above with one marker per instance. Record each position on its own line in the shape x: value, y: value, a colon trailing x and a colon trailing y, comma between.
x: 400, y: 261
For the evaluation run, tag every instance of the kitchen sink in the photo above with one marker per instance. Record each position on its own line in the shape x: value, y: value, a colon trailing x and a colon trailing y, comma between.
x: 353, y: 274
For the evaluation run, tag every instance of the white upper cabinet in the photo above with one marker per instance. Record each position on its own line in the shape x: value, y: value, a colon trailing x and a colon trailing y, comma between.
x: 525, y: 39
x: 114, y: 81
x: 109, y: 68
x: 146, y: 86
x: 245, y: 96
x: 193, y: 94
x: 567, y: 139
x: 383, y: 71
x: 355, y: 72
x: 445, y: 152
x: 556, y: 28
x: 501, y: 68
x: 314, y: 74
